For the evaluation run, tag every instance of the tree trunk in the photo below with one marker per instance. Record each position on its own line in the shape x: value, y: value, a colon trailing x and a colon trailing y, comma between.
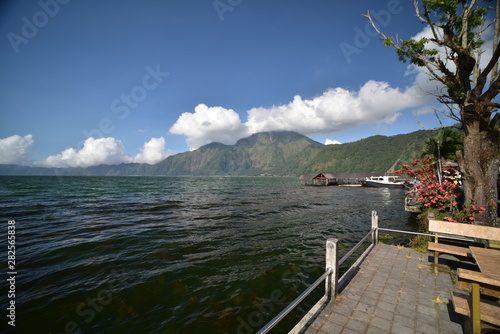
x: 479, y: 164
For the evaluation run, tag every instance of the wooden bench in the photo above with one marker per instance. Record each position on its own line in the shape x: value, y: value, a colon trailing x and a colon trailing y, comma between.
x: 489, y: 285
x: 490, y: 311
x: 471, y: 305
x: 457, y: 229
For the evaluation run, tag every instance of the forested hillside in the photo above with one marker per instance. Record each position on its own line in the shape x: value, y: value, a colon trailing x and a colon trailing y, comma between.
x: 268, y: 153
x: 277, y: 153
x: 373, y: 154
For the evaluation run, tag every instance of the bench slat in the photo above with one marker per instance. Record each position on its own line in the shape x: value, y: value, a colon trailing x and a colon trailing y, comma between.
x: 443, y: 248
x: 485, y: 289
x: 478, y: 277
x: 466, y: 230
x: 490, y: 311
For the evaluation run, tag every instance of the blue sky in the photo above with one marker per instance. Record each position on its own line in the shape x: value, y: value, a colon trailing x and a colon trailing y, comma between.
x: 89, y: 82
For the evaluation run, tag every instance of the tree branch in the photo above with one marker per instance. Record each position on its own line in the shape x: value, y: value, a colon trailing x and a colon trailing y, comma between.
x: 494, y: 120
x: 426, y: 62
x: 427, y: 19
x: 492, y: 91
x: 417, y: 12
x: 494, y: 73
x: 483, y: 76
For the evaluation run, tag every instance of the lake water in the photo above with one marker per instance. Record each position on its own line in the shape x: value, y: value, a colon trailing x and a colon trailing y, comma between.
x: 175, y: 255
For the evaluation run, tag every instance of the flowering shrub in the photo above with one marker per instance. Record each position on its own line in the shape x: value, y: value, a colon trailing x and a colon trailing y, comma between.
x: 444, y: 196
x: 469, y: 213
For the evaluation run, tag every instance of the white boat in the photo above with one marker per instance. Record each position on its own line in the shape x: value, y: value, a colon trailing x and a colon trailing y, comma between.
x: 383, y: 181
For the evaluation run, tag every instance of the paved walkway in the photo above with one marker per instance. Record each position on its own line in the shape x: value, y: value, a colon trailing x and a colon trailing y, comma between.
x: 394, y: 291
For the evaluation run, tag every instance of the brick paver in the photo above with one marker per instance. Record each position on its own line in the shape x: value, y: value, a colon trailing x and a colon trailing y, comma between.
x: 394, y: 291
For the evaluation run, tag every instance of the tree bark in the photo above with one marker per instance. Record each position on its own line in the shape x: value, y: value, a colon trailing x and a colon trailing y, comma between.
x: 480, y: 163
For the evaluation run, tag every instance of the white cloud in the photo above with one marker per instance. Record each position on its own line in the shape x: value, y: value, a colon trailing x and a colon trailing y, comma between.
x: 15, y: 149
x: 153, y: 152
x: 329, y: 141
x: 209, y: 124
x: 335, y: 110
x: 107, y: 151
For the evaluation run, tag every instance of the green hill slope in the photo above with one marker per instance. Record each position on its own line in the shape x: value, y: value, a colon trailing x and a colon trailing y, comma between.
x: 373, y: 154
x: 267, y: 153
x: 277, y: 153
x: 289, y: 153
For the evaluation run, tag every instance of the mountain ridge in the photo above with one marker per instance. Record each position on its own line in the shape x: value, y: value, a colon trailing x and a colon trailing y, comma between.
x: 279, y: 153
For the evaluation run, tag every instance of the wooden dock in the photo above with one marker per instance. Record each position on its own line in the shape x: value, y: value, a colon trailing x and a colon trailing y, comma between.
x: 391, y: 290
x: 335, y: 179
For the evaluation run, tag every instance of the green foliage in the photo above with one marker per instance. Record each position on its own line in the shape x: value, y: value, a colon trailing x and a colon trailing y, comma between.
x: 416, y: 52
x: 385, y: 237
x: 419, y: 243
x: 443, y: 9
x: 450, y: 141
x: 447, y: 12
x: 449, y: 16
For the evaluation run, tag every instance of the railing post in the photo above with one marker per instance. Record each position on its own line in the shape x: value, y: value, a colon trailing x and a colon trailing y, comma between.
x: 374, y: 227
x: 332, y: 263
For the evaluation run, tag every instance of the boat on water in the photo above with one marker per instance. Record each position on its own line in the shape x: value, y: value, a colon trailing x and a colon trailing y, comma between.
x: 383, y: 181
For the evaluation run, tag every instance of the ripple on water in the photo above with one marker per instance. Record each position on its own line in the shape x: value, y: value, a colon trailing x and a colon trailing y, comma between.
x: 177, y: 255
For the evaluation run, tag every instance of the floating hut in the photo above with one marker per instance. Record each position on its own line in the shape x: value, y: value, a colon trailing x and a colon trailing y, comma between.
x: 321, y: 179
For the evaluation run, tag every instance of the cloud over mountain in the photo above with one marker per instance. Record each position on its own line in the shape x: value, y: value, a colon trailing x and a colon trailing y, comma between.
x: 335, y: 110
x: 329, y: 141
x: 209, y: 124
x: 106, y: 151
x: 152, y: 152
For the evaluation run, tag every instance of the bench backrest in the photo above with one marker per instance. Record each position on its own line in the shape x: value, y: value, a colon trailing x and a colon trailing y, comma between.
x: 466, y: 230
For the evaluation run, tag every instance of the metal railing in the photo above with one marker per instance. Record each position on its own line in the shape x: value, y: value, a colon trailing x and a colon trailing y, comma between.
x: 330, y: 275
x: 355, y: 248
x: 451, y: 237
x: 293, y: 304
x: 332, y: 265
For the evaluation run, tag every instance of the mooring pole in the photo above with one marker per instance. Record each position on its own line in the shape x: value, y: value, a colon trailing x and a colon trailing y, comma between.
x: 332, y: 264
x: 374, y: 227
